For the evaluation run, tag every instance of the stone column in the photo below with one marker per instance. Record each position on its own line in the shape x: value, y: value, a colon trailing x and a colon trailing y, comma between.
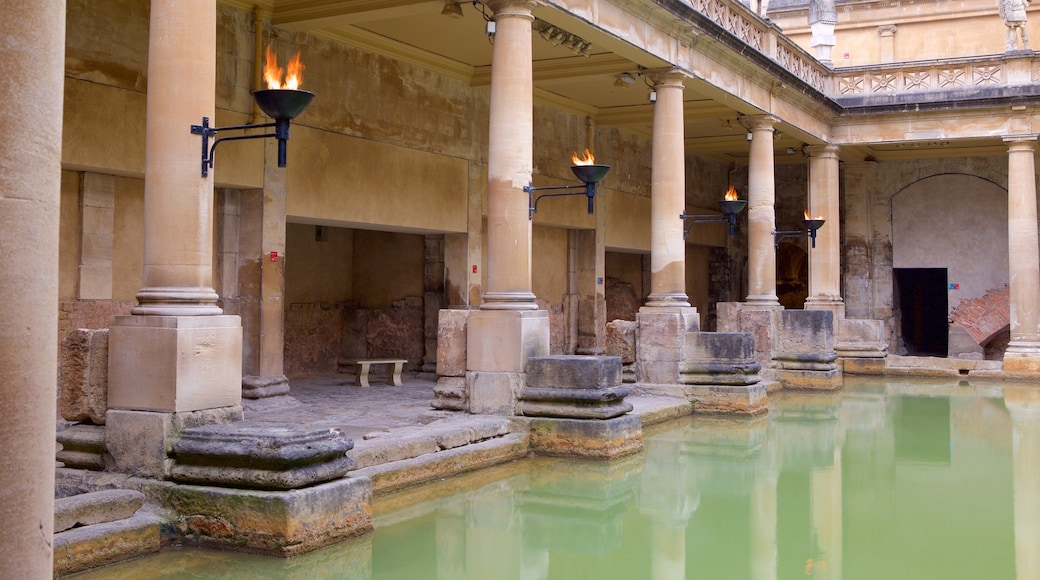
x: 668, y: 195
x: 1023, y: 352
x: 510, y: 157
x: 887, y: 43
x: 508, y: 328
x: 663, y: 322
x: 30, y: 185
x: 761, y: 216
x: 177, y: 353
x: 825, y: 258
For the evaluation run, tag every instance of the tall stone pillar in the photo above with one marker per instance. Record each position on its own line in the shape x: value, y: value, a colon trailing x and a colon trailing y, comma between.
x: 662, y: 323
x: 858, y: 251
x: 668, y: 195
x: 1023, y: 352
x: 30, y: 185
x: 176, y: 353
x: 508, y: 328
x: 761, y: 216
x: 825, y: 258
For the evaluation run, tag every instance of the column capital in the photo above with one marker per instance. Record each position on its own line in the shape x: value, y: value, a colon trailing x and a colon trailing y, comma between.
x: 886, y: 30
x: 516, y: 8
x: 1020, y: 142
x: 825, y: 151
x: 668, y: 77
x: 760, y: 122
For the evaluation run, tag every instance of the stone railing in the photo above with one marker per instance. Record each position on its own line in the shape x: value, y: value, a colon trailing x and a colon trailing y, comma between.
x: 734, y: 17
x: 996, y: 71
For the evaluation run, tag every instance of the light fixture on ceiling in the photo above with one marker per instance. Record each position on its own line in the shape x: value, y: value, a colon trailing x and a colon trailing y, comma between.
x: 451, y: 9
x: 624, y: 80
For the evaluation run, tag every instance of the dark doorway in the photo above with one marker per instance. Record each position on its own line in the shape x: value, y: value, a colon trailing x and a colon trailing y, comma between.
x: 921, y: 294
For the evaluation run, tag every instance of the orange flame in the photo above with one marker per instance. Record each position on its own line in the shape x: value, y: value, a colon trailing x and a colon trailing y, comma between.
x: 731, y: 194
x: 808, y: 216
x: 273, y: 72
x: 587, y: 159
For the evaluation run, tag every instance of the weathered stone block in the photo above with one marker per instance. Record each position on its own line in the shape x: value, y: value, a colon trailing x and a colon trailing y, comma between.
x: 82, y: 447
x: 96, y: 507
x: 140, y: 441
x: 260, y: 455
x: 93, y: 546
x: 719, y: 358
x: 83, y: 376
x: 261, y: 387
x: 279, y: 523
x: 621, y: 340
x: 573, y: 372
x: 810, y: 379
x: 450, y: 394
x: 493, y: 393
x: 729, y: 399
x: 585, y: 438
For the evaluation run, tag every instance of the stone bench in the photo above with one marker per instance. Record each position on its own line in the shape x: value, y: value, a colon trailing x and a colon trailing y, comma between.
x: 362, y: 367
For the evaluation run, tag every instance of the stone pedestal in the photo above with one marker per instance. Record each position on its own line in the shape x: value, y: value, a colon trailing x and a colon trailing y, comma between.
x: 660, y: 333
x: 254, y: 387
x: 585, y: 438
x: 804, y: 350
x: 276, y: 523
x: 175, y: 363
x: 260, y: 456
x: 861, y: 346
x: 577, y: 387
x: 722, y: 373
x: 498, y: 344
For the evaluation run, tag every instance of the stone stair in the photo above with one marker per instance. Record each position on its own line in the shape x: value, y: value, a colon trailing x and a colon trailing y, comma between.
x: 102, y: 527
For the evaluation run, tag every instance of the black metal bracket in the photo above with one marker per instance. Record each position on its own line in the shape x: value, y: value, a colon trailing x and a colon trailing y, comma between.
x: 690, y: 220
x: 809, y: 232
x: 588, y: 190
x: 281, y: 132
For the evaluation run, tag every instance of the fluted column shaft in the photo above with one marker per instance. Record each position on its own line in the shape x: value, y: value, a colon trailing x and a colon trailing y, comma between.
x: 761, y: 214
x: 30, y: 191
x: 1023, y: 251
x: 825, y: 258
x: 668, y: 195
x: 178, y: 206
x: 510, y: 157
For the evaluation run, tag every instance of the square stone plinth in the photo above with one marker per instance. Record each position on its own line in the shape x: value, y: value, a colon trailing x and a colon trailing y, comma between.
x: 175, y: 363
x: 812, y: 380
x: 587, y: 437
x: 277, y: 523
x: 729, y: 399
x: 502, y: 340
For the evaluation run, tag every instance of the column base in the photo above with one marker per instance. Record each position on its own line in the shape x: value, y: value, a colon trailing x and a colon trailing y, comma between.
x: 660, y: 336
x: 810, y: 380
x: 175, y: 364
x: 1022, y: 358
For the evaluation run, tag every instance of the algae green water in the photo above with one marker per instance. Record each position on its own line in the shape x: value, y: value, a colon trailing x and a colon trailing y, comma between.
x: 885, y: 479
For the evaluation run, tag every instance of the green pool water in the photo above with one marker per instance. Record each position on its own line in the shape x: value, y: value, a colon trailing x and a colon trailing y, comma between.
x: 884, y: 480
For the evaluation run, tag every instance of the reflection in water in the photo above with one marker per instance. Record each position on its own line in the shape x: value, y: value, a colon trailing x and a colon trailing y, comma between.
x: 883, y: 480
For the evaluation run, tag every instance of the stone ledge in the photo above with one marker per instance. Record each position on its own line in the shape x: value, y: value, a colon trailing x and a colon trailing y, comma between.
x: 96, y: 507
x: 92, y: 546
x: 395, y: 475
x: 588, y: 438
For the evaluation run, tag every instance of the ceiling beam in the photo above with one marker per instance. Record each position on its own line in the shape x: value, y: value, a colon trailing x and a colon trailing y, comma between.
x: 301, y: 15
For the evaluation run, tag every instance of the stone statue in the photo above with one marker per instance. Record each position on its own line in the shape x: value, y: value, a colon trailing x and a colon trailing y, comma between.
x: 759, y: 7
x: 1014, y: 14
x: 822, y: 17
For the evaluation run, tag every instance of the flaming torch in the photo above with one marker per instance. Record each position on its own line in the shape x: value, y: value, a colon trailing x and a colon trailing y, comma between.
x: 585, y: 169
x: 281, y: 102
